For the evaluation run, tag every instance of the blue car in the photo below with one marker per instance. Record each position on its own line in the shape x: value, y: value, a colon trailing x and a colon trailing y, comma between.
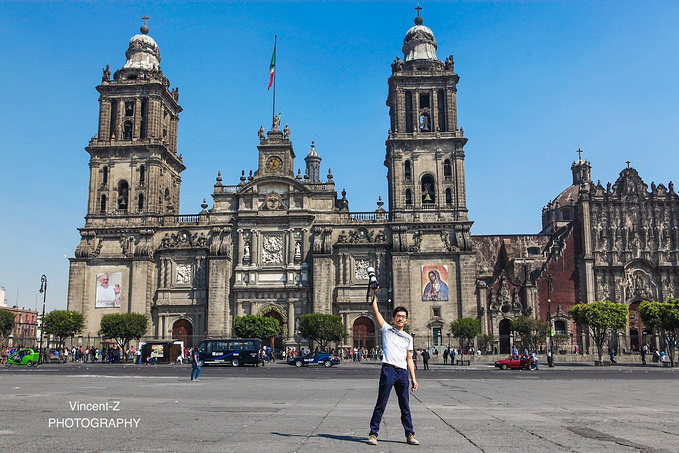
x: 315, y: 359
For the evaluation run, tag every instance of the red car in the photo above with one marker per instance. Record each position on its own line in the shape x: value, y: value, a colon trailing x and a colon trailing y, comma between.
x: 514, y: 362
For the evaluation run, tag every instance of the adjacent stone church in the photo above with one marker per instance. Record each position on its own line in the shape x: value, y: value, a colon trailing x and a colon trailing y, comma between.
x: 282, y: 243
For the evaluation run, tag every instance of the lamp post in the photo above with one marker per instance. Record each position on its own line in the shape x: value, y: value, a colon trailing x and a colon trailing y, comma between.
x: 448, y: 335
x: 550, y: 357
x: 43, y: 291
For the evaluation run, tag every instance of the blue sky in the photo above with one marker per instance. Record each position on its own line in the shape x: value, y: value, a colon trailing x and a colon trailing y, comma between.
x: 537, y: 80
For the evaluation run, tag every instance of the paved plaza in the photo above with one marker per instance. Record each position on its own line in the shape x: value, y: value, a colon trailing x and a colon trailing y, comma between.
x: 283, y: 409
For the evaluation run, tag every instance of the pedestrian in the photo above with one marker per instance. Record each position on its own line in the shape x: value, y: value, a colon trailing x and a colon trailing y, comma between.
x: 425, y: 358
x: 397, y: 366
x: 643, y: 355
x: 445, y: 357
x: 452, y: 357
x: 195, y: 364
x: 415, y: 358
x: 515, y: 351
x: 611, y: 353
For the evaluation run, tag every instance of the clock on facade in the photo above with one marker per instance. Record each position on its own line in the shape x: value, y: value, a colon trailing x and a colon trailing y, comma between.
x: 274, y: 163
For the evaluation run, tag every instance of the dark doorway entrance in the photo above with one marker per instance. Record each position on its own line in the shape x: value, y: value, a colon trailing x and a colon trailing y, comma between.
x: 276, y: 343
x: 364, y: 333
x: 504, y: 337
x: 182, y: 330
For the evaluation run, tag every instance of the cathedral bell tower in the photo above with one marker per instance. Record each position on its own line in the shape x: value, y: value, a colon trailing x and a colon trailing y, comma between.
x: 425, y: 157
x: 134, y: 166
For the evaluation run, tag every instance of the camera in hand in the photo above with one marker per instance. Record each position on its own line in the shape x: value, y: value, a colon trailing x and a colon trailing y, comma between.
x: 373, y: 285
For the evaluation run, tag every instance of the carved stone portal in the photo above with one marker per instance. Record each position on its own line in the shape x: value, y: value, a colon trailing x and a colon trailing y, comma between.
x: 360, y: 272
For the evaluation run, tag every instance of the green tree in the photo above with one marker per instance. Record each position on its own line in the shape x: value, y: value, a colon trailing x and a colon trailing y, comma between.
x: 486, y: 342
x: 561, y: 340
x: 321, y: 328
x: 63, y: 324
x: 532, y: 331
x: 602, y: 318
x: 123, y: 328
x: 664, y: 318
x: 6, y: 325
x: 256, y: 326
x: 465, y: 330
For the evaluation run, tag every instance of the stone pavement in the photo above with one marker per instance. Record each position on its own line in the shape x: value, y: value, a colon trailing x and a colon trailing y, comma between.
x: 244, y: 412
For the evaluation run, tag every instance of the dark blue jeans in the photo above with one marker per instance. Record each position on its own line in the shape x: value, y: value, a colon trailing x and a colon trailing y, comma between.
x: 398, y: 379
x: 195, y: 370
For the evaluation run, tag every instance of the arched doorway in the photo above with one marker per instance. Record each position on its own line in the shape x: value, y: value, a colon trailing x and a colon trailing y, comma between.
x: 504, y: 332
x: 364, y: 333
x: 635, y: 327
x: 277, y: 342
x: 182, y: 330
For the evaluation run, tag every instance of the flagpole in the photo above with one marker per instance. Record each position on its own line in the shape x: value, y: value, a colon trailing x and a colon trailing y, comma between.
x: 273, y: 115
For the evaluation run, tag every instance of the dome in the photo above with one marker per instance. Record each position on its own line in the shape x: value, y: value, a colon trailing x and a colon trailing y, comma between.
x: 568, y: 196
x: 313, y: 152
x: 143, y: 52
x: 419, y: 43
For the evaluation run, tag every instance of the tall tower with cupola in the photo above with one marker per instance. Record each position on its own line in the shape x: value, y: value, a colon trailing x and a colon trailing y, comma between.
x: 425, y: 156
x: 134, y: 167
x: 432, y: 258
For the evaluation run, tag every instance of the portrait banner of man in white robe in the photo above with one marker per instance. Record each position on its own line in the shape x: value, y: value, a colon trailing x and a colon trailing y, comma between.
x: 108, y: 290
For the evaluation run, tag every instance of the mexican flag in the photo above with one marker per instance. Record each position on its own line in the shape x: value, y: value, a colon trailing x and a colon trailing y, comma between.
x: 272, y: 67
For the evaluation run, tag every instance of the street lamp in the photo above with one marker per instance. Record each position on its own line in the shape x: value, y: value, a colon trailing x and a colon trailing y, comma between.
x: 550, y: 358
x: 448, y: 335
x: 43, y: 291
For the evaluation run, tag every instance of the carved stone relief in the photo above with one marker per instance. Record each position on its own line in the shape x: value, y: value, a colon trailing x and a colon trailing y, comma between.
x: 184, y: 274
x: 272, y: 250
x: 360, y: 269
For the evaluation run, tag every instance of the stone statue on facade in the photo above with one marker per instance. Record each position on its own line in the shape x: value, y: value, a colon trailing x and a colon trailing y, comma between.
x: 397, y: 65
x: 106, y: 77
x: 276, y: 122
x: 260, y: 133
x: 286, y: 132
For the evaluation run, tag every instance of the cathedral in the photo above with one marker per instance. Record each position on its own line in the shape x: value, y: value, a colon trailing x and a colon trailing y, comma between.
x: 283, y: 244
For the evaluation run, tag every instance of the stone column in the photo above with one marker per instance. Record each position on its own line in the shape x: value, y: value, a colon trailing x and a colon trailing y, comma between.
x: 291, y: 245
x: 254, y: 247
x: 291, y: 322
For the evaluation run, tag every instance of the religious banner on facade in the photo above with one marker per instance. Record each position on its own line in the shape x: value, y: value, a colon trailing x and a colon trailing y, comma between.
x: 108, y: 290
x: 434, y: 282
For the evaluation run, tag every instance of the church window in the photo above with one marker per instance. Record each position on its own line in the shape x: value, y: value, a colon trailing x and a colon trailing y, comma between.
x: 123, y: 193
x: 409, y: 111
x: 144, y: 119
x: 447, y: 170
x: 428, y: 189
x: 566, y: 215
x: 167, y: 194
x: 114, y: 118
x: 102, y: 206
x: 140, y: 203
x: 129, y: 108
x: 104, y: 176
x: 437, y: 312
x: 424, y: 101
x: 449, y: 196
x: 425, y: 123
x: 442, y: 110
x: 409, y: 197
x: 533, y: 251
x: 127, y: 130
x: 408, y: 174
x: 142, y: 174
x: 560, y: 327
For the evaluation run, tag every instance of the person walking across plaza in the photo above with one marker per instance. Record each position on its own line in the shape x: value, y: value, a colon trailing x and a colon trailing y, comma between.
x: 397, y: 366
x: 425, y: 358
x: 195, y: 364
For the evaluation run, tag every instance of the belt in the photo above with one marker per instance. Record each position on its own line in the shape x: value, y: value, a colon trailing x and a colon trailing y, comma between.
x: 392, y: 366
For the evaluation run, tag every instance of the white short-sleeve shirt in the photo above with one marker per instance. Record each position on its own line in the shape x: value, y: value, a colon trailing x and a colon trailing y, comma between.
x: 396, y: 344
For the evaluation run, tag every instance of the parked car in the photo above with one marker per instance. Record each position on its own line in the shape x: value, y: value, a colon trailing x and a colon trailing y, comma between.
x: 515, y: 362
x: 24, y: 356
x: 314, y: 359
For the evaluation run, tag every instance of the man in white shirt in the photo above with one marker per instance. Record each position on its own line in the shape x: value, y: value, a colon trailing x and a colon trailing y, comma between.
x: 397, y: 366
x: 107, y: 296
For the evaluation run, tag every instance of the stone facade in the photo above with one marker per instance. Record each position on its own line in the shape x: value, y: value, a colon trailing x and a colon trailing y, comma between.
x: 282, y: 244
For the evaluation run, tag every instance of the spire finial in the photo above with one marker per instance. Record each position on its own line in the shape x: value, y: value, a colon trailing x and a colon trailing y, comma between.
x: 628, y: 162
x: 579, y: 151
x: 144, y: 28
x: 418, y: 19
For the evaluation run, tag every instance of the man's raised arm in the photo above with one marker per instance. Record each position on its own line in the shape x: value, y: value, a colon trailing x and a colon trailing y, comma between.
x: 377, y: 314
